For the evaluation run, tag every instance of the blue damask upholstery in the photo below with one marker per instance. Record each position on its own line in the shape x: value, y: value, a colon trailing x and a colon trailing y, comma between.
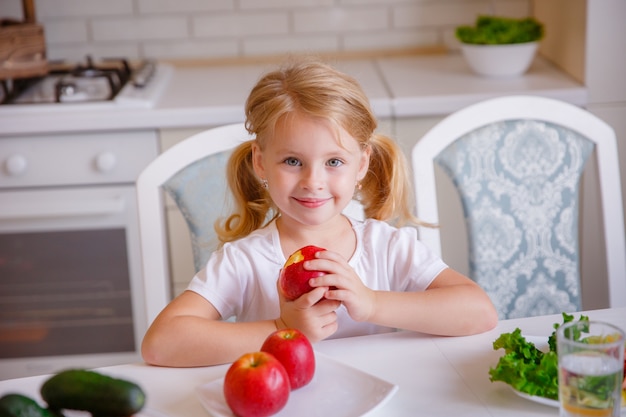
x: 201, y: 193
x: 518, y: 181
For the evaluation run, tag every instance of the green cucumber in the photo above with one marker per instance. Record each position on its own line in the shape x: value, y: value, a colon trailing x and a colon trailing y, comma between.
x: 18, y: 405
x: 101, y: 395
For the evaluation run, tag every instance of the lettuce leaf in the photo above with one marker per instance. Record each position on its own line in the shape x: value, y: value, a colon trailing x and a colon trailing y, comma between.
x: 498, y: 30
x: 526, y: 368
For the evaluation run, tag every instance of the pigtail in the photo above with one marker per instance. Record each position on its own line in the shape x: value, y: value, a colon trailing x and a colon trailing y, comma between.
x: 386, y: 191
x: 252, y: 203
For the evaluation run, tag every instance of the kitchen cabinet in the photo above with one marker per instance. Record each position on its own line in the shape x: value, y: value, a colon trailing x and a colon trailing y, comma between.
x: 70, y: 245
x: 408, y: 131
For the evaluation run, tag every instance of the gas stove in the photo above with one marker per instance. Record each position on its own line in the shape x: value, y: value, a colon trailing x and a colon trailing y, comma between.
x: 87, y: 85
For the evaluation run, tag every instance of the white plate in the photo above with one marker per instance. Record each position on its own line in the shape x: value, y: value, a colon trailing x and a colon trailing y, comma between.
x: 540, y: 342
x: 536, y: 399
x: 336, y: 390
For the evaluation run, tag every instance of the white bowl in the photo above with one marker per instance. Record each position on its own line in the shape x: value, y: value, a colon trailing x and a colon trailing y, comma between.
x: 500, y: 60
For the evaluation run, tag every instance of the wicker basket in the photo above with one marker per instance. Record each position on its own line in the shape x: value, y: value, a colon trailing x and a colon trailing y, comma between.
x: 22, y: 50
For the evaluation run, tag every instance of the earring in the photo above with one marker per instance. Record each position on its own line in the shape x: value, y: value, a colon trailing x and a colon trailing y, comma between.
x: 264, y: 183
x: 357, y: 190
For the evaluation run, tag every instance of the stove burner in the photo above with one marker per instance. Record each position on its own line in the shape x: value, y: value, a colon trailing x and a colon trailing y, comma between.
x: 87, y: 71
x: 88, y: 82
x: 65, y: 89
x: 115, y: 75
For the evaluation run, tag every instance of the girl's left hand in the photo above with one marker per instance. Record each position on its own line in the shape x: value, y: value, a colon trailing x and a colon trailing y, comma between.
x: 344, y: 284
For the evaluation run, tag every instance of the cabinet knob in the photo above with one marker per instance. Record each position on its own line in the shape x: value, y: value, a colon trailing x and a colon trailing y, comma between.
x: 16, y: 165
x: 106, y: 161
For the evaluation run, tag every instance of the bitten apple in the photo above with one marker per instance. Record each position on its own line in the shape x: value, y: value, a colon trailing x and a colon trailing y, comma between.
x: 293, y: 349
x: 256, y: 385
x: 294, y: 279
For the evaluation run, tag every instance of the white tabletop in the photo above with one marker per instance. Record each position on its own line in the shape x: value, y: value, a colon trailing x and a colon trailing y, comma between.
x: 437, y: 376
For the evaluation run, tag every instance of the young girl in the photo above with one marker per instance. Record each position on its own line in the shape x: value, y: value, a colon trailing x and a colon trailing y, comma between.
x: 315, y: 150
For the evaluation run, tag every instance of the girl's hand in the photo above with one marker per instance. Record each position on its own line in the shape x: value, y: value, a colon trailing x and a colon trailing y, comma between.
x: 310, y: 313
x: 343, y: 284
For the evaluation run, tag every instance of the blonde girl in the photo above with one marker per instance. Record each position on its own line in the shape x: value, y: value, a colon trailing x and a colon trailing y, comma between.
x: 315, y: 151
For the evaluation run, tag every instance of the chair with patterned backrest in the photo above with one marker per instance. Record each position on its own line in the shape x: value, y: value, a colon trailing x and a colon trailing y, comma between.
x: 516, y: 163
x: 193, y: 174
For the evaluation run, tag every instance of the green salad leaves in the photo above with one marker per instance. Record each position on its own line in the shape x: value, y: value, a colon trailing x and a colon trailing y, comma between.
x: 496, y: 30
x: 526, y: 368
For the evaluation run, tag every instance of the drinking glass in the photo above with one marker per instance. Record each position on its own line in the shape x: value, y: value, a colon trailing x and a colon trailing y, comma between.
x: 591, y: 368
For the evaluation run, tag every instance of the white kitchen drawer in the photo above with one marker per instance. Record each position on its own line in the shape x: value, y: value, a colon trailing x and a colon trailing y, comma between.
x: 76, y: 158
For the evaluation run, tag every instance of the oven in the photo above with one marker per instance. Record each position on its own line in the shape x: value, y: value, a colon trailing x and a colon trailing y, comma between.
x: 70, y: 269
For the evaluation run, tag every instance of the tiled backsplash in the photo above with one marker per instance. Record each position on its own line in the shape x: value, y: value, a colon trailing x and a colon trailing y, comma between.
x: 199, y: 29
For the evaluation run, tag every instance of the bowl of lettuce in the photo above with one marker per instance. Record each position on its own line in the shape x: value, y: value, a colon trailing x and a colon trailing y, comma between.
x: 499, y: 46
x: 528, y: 369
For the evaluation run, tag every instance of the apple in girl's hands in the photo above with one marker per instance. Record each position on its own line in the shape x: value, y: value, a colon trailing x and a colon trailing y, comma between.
x: 256, y: 385
x: 293, y: 349
x: 294, y: 279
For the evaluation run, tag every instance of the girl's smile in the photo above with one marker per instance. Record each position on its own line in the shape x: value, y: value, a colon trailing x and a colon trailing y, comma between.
x: 312, y: 202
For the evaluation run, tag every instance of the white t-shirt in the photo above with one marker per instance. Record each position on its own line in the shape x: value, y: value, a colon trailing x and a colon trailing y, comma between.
x: 240, y: 278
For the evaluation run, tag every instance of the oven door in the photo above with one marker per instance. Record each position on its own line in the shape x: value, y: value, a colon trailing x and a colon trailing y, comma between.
x: 70, y: 279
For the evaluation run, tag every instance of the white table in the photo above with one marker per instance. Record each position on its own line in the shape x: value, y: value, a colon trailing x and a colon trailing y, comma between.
x: 437, y: 376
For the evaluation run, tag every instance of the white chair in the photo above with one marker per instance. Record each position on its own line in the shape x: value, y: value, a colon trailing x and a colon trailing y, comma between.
x: 193, y: 173
x: 516, y: 164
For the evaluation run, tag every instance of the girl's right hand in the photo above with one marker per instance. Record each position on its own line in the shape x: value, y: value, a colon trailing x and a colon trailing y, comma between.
x: 311, y: 313
x: 343, y: 284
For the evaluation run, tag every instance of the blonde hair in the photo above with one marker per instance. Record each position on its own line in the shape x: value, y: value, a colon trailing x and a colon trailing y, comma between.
x: 315, y: 89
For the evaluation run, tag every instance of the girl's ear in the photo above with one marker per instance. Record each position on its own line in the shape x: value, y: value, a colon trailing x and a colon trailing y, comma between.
x: 365, y: 162
x: 257, y: 160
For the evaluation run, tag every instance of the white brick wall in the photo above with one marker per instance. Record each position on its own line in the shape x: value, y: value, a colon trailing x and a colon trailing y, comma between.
x: 196, y: 29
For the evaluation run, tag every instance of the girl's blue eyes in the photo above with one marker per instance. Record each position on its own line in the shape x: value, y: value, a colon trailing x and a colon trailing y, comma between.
x: 335, y: 162
x: 295, y: 162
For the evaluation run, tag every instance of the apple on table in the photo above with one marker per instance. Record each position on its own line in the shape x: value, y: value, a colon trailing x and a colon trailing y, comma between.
x: 256, y: 385
x: 294, y: 350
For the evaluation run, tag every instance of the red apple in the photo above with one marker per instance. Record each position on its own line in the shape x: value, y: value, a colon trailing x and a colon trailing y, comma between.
x: 293, y: 349
x: 294, y: 279
x: 256, y: 385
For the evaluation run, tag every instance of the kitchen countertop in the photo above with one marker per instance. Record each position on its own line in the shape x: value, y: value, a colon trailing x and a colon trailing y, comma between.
x: 442, y: 84
x: 197, y: 96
